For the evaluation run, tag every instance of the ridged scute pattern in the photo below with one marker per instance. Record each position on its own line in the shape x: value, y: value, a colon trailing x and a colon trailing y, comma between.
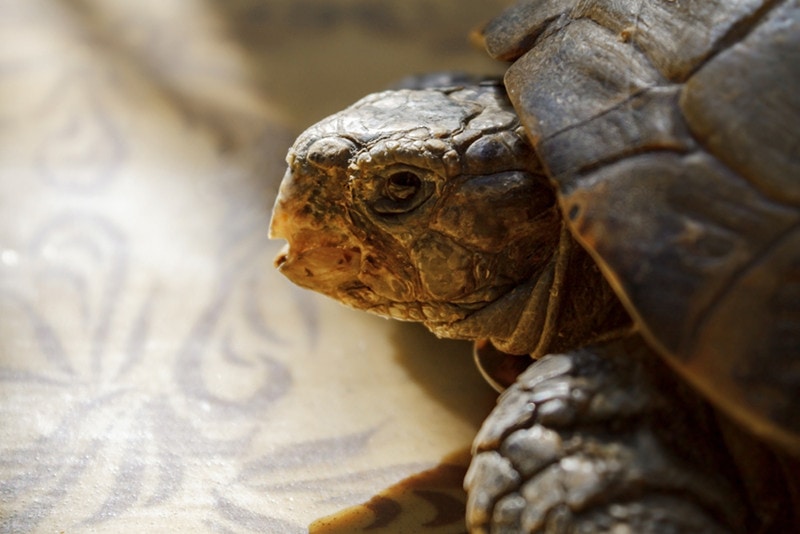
x: 671, y: 131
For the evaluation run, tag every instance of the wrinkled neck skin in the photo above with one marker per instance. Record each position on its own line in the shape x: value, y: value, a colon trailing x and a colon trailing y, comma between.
x: 564, y: 305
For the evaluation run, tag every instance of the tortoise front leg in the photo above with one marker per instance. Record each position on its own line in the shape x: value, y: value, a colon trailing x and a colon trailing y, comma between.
x: 604, y: 439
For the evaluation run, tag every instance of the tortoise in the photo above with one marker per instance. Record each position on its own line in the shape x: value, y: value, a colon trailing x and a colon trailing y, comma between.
x: 617, y: 225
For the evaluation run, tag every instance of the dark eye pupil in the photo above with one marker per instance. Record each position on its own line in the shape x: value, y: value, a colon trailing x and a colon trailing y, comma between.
x: 402, y: 185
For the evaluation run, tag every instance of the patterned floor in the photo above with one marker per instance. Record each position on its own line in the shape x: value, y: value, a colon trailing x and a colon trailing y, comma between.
x: 156, y: 373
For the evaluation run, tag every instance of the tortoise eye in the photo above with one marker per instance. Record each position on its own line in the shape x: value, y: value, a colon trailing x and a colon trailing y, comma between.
x: 402, y: 186
x: 401, y: 192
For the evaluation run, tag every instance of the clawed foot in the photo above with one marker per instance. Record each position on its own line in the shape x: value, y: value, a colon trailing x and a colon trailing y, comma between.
x: 602, y: 440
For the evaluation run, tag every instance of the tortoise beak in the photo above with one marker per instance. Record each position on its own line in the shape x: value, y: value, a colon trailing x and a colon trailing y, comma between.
x: 316, y: 256
x: 322, y: 269
x: 279, y: 225
x: 278, y: 229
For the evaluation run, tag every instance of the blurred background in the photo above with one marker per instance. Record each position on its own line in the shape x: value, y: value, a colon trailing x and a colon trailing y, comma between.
x: 312, y: 58
x: 155, y: 371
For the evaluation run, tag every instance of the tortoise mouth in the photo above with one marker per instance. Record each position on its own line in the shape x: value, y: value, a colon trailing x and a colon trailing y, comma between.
x: 282, y: 256
x: 317, y: 255
x: 320, y: 268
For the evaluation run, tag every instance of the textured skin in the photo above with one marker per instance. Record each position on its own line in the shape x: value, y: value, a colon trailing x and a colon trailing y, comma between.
x: 591, y: 441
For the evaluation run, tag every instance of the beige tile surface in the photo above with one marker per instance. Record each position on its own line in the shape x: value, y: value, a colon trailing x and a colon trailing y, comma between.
x: 156, y: 373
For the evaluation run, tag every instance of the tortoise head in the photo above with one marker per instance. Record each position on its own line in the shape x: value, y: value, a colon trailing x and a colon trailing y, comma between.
x: 423, y: 205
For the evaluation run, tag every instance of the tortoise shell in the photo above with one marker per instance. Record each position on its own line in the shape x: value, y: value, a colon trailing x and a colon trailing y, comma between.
x: 671, y: 130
